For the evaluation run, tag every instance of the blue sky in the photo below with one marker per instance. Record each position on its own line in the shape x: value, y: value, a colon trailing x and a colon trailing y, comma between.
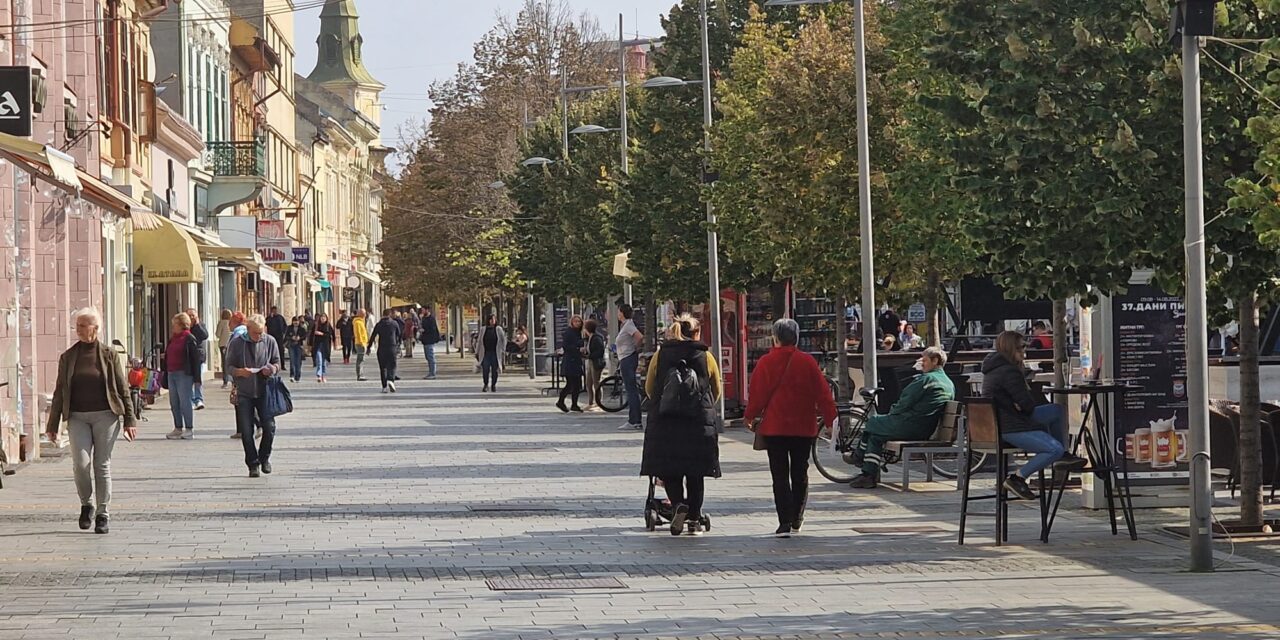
x: 408, y: 44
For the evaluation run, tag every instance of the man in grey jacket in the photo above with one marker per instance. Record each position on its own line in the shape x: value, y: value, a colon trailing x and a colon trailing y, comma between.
x: 253, y: 359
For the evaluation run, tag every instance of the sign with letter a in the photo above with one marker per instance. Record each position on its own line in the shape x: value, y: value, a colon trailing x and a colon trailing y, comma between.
x: 15, y: 101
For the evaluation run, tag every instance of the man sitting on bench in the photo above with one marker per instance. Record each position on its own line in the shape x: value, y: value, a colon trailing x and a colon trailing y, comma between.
x: 913, y: 417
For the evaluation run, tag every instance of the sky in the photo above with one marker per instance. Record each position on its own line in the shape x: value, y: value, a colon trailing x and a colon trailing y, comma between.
x: 408, y: 44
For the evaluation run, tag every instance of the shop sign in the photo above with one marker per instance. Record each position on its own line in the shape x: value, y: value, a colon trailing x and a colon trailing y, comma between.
x: 302, y: 255
x: 15, y: 101
x: 274, y: 244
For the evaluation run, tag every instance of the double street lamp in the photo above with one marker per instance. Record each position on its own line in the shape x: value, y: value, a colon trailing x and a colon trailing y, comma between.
x: 864, y: 189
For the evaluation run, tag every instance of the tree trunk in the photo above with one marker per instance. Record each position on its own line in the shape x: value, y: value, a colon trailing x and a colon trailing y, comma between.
x: 932, y: 331
x: 1061, y: 357
x: 842, y: 352
x: 1250, y: 429
x: 651, y: 337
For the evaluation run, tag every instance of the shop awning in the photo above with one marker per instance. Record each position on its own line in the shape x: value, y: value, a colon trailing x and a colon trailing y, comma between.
x: 43, y: 160
x: 325, y: 284
x: 314, y: 285
x: 268, y: 273
x: 167, y: 254
x: 369, y: 277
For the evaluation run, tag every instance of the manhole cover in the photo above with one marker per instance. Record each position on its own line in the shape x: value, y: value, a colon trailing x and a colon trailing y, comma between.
x: 921, y: 528
x: 543, y: 584
x: 510, y: 507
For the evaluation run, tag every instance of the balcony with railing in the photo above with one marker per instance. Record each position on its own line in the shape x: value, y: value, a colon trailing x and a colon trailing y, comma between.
x: 238, y: 158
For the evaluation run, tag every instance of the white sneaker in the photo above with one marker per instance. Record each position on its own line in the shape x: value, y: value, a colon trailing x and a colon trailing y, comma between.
x: 386, y: 390
x: 392, y: 386
x: 173, y: 435
x: 199, y: 406
x: 187, y: 434
x: 630, y: 427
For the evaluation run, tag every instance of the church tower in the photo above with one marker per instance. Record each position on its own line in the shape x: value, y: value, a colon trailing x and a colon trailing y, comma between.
x: 340, y: 64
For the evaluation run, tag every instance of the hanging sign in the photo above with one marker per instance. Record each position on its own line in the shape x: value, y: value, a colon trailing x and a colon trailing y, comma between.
x: 15, y: 101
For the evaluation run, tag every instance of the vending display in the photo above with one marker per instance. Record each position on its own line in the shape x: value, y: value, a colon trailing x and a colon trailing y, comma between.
x: 817, y: 318
x: 760, y: 320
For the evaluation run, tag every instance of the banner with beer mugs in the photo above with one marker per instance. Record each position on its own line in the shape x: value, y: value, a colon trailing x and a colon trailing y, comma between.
x: 1149, y: 334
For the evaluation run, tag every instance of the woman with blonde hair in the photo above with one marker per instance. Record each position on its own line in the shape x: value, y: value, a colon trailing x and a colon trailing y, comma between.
x: 1026, y: 422
x: 180, y: 366
x: 681, y: 442
x: 90, y: 395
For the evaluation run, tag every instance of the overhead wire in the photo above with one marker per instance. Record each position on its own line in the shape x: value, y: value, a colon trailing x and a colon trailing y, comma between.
x: 1241, y: 80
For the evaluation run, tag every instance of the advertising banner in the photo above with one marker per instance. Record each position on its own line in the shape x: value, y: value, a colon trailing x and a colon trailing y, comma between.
x: 274, y: 244
x: 1149, y: 334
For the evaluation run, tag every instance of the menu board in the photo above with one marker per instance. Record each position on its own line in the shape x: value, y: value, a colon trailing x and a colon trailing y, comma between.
x: 560, y: 322
x: 759, y: 325
x: 1149, y: 334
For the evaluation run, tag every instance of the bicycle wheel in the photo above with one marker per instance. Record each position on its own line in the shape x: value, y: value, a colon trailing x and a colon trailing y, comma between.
x: 831, y: 464
x: 947, y: 465
x: 613, y: 394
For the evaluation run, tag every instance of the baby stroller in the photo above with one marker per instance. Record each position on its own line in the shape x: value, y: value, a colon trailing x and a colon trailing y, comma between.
x: 658, y: 511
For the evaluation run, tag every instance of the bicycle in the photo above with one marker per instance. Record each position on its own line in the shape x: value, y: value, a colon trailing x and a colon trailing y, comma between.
x: 836, y: 462
x: 613, y: 393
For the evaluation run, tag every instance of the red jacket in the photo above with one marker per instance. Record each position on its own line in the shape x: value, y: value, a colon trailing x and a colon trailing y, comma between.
x: 793, y: 409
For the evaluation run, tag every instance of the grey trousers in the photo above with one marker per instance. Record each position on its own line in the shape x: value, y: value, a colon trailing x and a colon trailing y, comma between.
x: 93, y: 436
x: 360, y: 351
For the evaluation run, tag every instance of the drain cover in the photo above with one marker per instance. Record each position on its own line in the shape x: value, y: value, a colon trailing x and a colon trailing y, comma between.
x: 922, y: 528
x: 546, y: 584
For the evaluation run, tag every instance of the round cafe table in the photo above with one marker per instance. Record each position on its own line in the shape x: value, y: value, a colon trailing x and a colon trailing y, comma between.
x: 1099, y: 443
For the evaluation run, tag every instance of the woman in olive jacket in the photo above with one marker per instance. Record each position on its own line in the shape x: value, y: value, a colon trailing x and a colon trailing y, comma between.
x: 90, y: 395
x: 683, y: 452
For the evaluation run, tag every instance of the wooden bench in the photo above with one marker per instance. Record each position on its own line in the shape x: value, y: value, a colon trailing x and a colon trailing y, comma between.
x: 943, y: 440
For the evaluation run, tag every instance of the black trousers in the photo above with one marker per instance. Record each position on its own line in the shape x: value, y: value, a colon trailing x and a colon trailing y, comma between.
x: 572, y: 388
x: 386, y: 366
x: 687, y: 490
x: 347, y: 345
x: 789, y: 465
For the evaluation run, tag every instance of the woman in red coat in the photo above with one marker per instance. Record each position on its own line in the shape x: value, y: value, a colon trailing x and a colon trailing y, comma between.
x: 788, y: 391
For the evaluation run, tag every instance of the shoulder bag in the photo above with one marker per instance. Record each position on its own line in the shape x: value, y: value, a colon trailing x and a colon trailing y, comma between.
x: 759, y: 444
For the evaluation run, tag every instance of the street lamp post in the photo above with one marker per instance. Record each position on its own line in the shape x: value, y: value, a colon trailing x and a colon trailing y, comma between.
x: 869, y: 372
x: 713, y: 237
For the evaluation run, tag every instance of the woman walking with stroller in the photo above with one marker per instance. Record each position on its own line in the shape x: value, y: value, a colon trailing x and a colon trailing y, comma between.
x: 321, y: 342
x: 681, y: 442
x: 571, y: 364
x: 786, y: 393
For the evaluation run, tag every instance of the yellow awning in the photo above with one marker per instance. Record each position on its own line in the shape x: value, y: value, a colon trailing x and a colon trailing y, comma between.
x: 48, y: 162
x: 167, y: 254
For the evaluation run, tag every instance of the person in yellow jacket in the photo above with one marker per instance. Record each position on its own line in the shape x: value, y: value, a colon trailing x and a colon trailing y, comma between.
x: 362, y: 341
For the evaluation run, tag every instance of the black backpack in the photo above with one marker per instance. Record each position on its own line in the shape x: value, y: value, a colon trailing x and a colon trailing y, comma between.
x: 681, y: 393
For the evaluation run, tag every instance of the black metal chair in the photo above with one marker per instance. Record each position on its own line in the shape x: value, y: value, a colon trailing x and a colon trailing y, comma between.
x: 983, y: 433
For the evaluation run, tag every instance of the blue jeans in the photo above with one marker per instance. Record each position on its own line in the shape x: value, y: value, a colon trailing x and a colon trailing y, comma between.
x: 429, y: 350
x: 181, y: 386
x: 295, y: 361
x: 489, y: 369
x: 197, y: 389
x: 1049, y: 445
x: 322, y: 363
x: 628, y: 365
x: 251, y: 411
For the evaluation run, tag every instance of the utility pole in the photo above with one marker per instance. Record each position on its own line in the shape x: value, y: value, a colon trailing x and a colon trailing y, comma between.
x: 622, y: 91
x: 869, y: 370
x: 1196, y: 18
x: 713, y: 239
x: 564, y: 111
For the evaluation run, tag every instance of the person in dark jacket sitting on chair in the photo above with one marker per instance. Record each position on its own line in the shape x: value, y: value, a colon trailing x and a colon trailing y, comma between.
x: 913, y: 417
x: 1026, y: 422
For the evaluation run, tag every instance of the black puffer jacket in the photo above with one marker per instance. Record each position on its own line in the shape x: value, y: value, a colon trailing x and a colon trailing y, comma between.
x: 1006, y: 385
x: 681, y: 446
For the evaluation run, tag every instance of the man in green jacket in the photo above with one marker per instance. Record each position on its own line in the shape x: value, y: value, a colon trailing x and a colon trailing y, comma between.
x: 913, y: 417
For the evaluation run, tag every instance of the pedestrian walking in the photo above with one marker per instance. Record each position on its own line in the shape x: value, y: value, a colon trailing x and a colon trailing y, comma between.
x: 179, y: 367
x: 628, y: 344
x: 277, y: 325
x: 91, y: 396
x: 254, y: 359
x: 201, y: 334
x: 488, y: 350
x: 787, y: 393
x: 571, y: 367
x: 595, y: 364
x: 223, y: 334
x: 386, y: 334
x: 238, y: 330
x: 681, y: 441
x: 430, y: 338
x: 411, y: 326
x: 346, y: 334
x: 360, y: 333
x: 321, y: 342
x: 295, y: 341
x: 399, y: 320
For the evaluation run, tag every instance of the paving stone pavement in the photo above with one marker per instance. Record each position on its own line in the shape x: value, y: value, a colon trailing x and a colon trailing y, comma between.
x: 391, y: 516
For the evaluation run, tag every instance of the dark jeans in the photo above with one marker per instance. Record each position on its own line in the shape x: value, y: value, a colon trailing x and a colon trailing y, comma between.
x: 489, y: 369
x: 628, y: 365
x: 348, y: 343
x: 789, y: 464
x: 696, y: 492
x: 247, y: 411
x: 387, y: 366
x: 295, y: 361
x: 572, y: 389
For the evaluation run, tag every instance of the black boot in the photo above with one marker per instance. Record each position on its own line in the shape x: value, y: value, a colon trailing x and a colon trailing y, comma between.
x: 253, y: 472
x: 100, y: 524
x: 86, y: 517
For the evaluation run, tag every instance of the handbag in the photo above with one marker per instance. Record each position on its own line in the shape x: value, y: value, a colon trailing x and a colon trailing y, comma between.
x: 277, y: 401
x: 759, y: 443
